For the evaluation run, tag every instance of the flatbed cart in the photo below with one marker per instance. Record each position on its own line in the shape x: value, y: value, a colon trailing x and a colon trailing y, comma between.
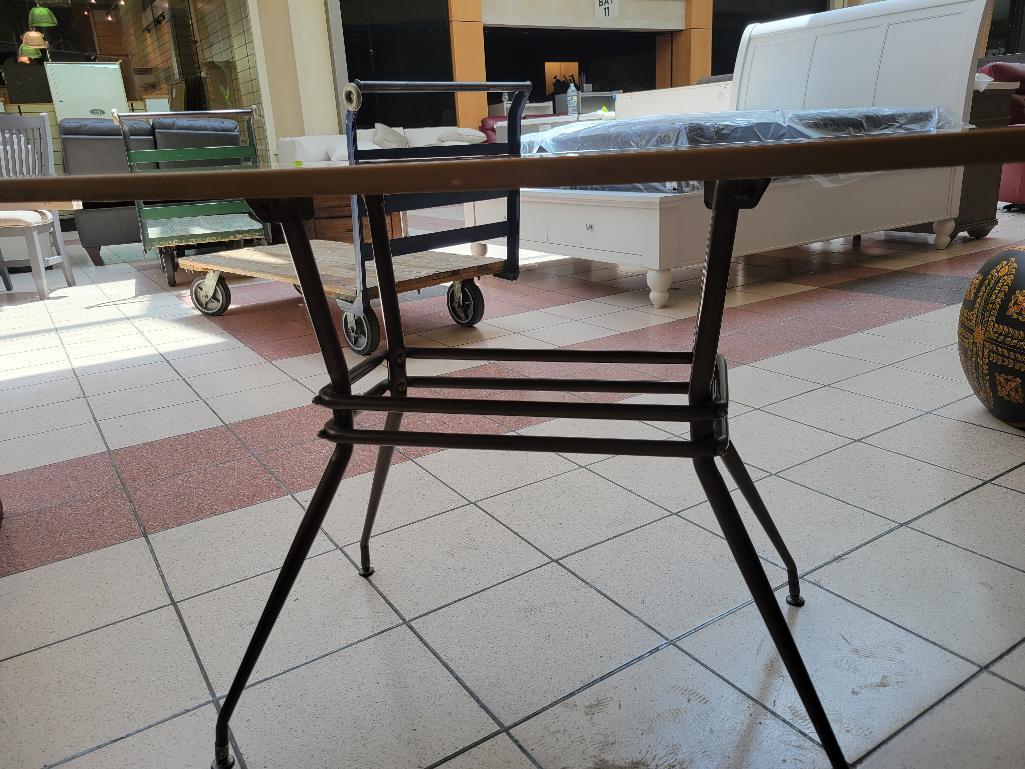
x: 172, y: 227
x: 420, y: 261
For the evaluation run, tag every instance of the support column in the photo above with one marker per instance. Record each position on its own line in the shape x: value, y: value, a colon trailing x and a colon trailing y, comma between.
x: 681, y: 58
x: 466, y: 30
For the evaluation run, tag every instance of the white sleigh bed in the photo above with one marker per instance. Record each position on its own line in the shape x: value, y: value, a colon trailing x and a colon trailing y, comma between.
x: 898, y: 53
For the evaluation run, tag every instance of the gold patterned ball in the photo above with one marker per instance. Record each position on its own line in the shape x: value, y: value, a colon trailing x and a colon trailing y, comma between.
x: 991, y: 335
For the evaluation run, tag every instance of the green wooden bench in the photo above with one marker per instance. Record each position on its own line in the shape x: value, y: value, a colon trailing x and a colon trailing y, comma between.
x: 171, y: 228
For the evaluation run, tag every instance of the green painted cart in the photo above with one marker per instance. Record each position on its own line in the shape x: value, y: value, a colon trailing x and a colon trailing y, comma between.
x: 171, y: 228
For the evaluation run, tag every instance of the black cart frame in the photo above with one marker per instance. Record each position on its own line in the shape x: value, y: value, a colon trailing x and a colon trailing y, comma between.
x: 707, y: 412
x: 358, y: 319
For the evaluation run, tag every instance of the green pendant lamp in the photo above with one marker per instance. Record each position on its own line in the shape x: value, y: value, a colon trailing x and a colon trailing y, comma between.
x: 40, y: 16
x: 28, y: 52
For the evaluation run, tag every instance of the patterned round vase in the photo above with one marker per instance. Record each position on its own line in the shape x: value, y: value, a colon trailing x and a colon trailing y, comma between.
x: 991, y: 335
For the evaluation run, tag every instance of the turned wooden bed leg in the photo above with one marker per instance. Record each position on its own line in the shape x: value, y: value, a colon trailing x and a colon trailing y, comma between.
x: 942, y: 229
x: 658, y: 282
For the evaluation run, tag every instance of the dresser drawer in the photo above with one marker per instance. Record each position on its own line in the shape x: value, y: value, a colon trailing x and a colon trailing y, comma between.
x: 602, y: 228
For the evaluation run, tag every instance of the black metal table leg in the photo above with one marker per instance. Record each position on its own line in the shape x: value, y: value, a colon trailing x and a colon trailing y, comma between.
x: 384, y: 456
x: 747, y: 487
x: 761, y: 591
x: 290, y: 569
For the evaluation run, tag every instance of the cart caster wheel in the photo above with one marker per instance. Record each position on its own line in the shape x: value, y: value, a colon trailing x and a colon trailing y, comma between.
x: 227, y: 763
x: 169, y: 264
x: 362, y: 332
x: 465, y: 303
x: 366, y: 572
x: 216, y: 303
x: 795, y: 600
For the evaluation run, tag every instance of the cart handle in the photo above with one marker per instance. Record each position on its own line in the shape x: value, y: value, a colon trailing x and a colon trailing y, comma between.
x: 352, y: 94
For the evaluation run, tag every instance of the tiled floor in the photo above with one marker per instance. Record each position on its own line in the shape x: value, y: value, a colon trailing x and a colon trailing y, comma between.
x: 537, y: 610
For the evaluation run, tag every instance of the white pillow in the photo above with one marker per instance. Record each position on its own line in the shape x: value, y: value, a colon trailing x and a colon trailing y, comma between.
x: 424, y: 137
x: 388, y: 138
x: 468, y: 135
x: 338, y: 151
x: 341, y: 151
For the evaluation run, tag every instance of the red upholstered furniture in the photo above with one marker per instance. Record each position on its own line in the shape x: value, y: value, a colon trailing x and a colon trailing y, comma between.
x: 1012, y: 177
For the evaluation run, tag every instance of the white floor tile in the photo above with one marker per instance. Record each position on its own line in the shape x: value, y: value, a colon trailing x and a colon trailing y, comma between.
x: 846, y: 413
x: 82, y: 692
x: 774, y: 444
x: 873, y: 348
x: 814, y: 527
x: 145, y: 375
x: 665, y: 711
x: 330, y: 606
x: 225, y: 548
x: 157, y: 423
x: 596, y: 428
x: 893, y: 486
x: 200, y: 362
x: 971, y: 410
x: 12, y: 401
x: 146, y: 398
x: 758, y: 387
x: 47, y: 448
x: 480, y: 474
x: 410, y: 494
x: 1012, y: 666
x: 967, y: 603
x: 989, y: 520
x: 816, y: 365
x: 53, y: 602
x: 871, y: 676
x: 239, y: 406
x: 497, y: 753
x: 908, y: 388
x: 672, y: 574
x: 957, y: 446
x: 427, y: 564
x: 978, y: 726
x: 571, y: 511
x: 384, y: 703
x: 182, y: 741
x: 527, y: 642
x: 236, y: 380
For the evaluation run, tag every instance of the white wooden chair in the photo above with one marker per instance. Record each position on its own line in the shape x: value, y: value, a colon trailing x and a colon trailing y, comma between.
x: 26, y: 149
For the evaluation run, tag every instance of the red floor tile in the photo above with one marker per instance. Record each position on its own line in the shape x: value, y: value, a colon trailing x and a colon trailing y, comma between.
x: 832, y: 277
x: 277, y: 349
x: 964, y: 265
x: 64, y: 531
x: 285, y: 428
x: 176, y: 455
x: 201, y: 493
x: 44, y: 487
x: 739, y: 349
x: 299, y: 467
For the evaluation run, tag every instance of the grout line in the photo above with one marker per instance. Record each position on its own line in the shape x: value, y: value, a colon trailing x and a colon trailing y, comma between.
x: 737, y: 608
x: 160, y: 572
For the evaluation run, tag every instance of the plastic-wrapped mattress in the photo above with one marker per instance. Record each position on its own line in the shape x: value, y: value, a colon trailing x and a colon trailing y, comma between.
x: 741, y: 127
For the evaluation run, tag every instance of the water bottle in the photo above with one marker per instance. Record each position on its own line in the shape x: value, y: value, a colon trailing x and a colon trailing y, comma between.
x: 572, y: 103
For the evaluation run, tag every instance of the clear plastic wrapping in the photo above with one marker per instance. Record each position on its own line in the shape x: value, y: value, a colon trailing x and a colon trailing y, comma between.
x: 741, y: 127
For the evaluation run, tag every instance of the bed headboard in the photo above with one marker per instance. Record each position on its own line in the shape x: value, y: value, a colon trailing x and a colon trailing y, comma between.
x: 892, y: 53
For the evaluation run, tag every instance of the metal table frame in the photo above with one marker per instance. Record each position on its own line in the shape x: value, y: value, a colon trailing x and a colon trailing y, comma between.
x: 707, y: 413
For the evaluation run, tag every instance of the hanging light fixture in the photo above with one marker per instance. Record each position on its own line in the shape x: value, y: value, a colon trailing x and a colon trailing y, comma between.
x: 28, y: 52
x: 110, y: 15
x: 40, y: 16
x: 34, y: 39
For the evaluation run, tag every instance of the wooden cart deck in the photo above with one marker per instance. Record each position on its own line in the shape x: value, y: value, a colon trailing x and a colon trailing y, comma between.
x: 338, y: 268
